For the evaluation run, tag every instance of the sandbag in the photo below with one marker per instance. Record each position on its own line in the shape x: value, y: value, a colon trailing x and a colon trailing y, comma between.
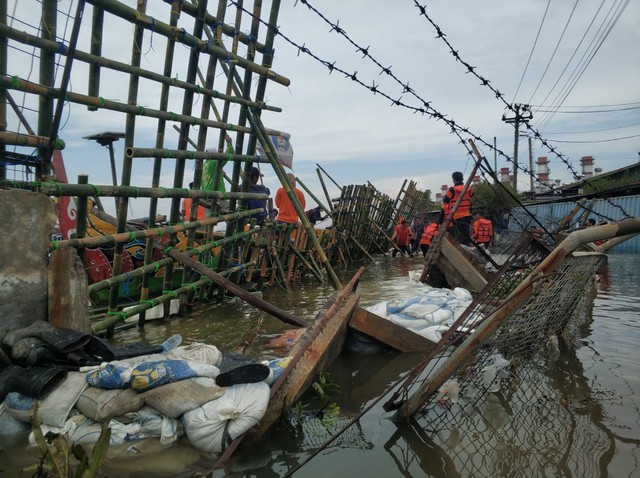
x: 19, y: 406
x: 148, y: 375
x: 175, y: 399
x: 54, y: 410
x: 213, y: 426
x: 152, y: 424
x: 197, y: 352
x: 99, y: 404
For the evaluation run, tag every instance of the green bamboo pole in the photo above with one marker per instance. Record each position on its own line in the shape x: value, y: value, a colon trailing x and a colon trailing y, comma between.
x: 148, y: 268
x: 256, y: 123
x: 48, y: 30
x: 115, y: 317
x: 15, y: 83
x: 158, y: 27
x: 97, y: 26
x: 64, y: 84
x: 81, y: 213
x: 160, y: 136
x: 125, y: 237
x: 329, y: 176
x: 50, y: 46
x: 227, y: 29
x: 62, y: 189
x: 4, y: 94
x: 21, y: 139
x: 308, y: 191
x: 324, y: 188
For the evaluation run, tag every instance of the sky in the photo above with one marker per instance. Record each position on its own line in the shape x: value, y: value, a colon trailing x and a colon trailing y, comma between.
x: 581, y: 58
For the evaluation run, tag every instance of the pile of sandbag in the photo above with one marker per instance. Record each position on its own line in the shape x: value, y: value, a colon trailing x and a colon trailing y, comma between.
x: 429, y: 314
x: 196, y: 390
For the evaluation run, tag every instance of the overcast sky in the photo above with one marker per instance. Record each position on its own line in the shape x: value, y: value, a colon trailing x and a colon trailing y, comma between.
x: 586, y: 60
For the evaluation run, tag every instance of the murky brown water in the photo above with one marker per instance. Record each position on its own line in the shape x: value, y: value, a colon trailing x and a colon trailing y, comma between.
x: 596, y: 431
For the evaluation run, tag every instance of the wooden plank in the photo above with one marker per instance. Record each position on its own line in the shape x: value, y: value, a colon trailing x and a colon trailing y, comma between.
x: 459, y: 271
x: 319, y: 347
x: 387, y: 332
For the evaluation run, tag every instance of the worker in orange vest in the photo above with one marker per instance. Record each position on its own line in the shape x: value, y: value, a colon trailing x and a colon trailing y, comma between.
x: 482, y: 230
x: 462, y: 218
x: 186, y: 209
x: 427, y: 236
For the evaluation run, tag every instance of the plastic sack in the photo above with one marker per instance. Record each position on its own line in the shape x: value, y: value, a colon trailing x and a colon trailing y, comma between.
x: 112, y: 375
x: 428, y: 312
x: 148, y: 375
x: 213, y: 426
x: 398, y: 305
x: 151, y: 423
x: 175, y: 399
x: 19, y: 406
x: 197, y: 352
x: 54, y: 410
x: 276, y: 368
x: 99, y: 404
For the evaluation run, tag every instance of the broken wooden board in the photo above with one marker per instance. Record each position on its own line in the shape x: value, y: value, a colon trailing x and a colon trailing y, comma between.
x: 387, y: 332
x: 458, y: 269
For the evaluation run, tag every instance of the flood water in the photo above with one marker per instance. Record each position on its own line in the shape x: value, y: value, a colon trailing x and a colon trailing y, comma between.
x: 589, y: 425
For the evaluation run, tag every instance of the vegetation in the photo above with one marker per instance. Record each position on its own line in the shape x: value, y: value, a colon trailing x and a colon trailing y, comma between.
x: 57, y: 453
x: 491, y: 200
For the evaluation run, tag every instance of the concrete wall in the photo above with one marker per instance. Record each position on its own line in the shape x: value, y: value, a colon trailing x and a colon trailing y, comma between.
x: 26, y: 219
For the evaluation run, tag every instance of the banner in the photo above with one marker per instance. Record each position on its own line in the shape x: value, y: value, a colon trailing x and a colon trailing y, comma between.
x: 283, y: 150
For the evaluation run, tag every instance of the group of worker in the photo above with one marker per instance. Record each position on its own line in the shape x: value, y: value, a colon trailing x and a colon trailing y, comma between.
x: 466, y: 228
x: 283, y: 213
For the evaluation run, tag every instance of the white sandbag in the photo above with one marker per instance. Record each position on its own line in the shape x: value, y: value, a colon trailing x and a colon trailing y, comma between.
x: 152, y: 424
x: 175, y: 399
x: 462, y: 294
x: 433, y: 333
x: 197, y: 352
x: 212, y: 427
x: 378, y: 309
x: 81, y: 430
x: 407, y: 322
x: 99, y: 404
x: 54, y: 410
x: 429, y: 312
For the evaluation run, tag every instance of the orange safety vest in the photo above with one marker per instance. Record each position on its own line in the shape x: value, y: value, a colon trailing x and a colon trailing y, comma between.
x: 429, y: 233
x: 186, y: 210
x: 482, y: 231
x: 464, y: 208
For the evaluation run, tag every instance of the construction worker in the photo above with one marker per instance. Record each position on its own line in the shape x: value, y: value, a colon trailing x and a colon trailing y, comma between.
x: 482, y: 230
x: 427, y: 236
x: 402, y: 236
x: 462, y: 218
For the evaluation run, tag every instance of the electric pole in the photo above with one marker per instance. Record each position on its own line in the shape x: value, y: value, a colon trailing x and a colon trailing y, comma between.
x: 522, y: 115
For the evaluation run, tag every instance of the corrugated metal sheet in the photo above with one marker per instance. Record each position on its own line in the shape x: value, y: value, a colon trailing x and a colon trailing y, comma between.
x: 614, y: 209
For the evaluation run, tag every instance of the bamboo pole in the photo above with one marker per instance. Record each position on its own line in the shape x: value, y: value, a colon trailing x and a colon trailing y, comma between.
x: 141, y: 19
x: 248, y: 297
x: 97, y: 27
x: 324, y: 189
x: 51, y: 46
x: 19, y: 84
x: 53, y: 188
x: 64, y: 84
x: 327, y: 174
x: 116, y: 317
x: 21, y: 139
x: 279, y: 169
x: 148, y: 268
x: 47, y: 64
x: 308, y: 191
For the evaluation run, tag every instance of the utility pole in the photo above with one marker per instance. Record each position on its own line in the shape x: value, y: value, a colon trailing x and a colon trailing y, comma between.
x: 522, y: 115
x: 531, y: 165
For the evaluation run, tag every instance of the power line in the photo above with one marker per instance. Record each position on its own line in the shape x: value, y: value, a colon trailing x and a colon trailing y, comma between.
x: 597, y: 130
x: 555, y: 111
x: 594, y: 141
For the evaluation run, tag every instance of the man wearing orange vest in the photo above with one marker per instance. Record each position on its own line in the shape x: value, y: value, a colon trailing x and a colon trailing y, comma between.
x: 186, y: 209
x: 482, y: 230
x: 462, y: 218
x: 427, y: 236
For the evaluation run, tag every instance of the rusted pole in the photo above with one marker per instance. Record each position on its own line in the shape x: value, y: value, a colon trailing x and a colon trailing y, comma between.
x: 48, y: 30
x: 512, y: 303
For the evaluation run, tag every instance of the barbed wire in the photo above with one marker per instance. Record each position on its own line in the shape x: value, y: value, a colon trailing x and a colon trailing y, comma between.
x: 406, y: 89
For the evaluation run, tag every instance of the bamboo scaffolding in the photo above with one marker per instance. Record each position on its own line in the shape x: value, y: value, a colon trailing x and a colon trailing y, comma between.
x: 140, y: 19
x: 97, y: 61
